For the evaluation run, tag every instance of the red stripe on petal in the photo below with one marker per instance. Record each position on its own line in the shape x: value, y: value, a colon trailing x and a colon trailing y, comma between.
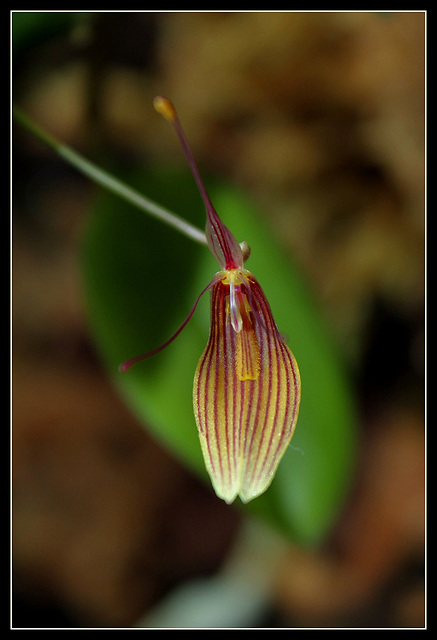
x: 279, y: 396
x: 246, y: 394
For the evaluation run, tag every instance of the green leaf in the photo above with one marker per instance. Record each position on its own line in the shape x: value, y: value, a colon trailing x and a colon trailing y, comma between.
x: 141, y: 280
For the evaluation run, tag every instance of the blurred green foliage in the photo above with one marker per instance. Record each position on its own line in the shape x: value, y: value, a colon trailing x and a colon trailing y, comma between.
x: 33, y: 28
x: 141, y: 280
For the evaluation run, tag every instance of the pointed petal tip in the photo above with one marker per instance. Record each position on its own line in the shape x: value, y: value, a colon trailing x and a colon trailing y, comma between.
x: 249, y: 494
x: 227, y: 494
x: 244, y: 495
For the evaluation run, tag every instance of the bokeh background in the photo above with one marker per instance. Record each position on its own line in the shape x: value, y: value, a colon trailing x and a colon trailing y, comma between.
x: 319, y: 117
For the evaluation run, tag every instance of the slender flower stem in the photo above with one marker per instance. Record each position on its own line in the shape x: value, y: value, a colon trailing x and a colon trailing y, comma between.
x: 107, y: 181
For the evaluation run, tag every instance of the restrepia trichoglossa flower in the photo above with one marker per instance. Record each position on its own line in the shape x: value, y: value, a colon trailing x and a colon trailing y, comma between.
x: 246, y: 389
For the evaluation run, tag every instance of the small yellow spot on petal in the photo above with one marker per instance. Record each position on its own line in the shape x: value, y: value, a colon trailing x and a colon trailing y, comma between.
x: 247, y: 358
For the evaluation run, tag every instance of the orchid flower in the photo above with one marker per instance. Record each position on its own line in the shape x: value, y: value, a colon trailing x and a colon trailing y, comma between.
x: 246, y: 389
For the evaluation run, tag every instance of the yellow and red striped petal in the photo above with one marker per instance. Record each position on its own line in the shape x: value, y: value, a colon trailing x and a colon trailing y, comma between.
x: 246, y: 393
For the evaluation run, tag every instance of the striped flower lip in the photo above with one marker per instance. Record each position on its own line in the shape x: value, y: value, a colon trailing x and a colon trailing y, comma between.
x: 246, y: 390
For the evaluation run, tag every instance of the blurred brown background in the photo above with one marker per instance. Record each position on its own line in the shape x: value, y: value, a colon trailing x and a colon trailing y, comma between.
x: 319, y: 117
